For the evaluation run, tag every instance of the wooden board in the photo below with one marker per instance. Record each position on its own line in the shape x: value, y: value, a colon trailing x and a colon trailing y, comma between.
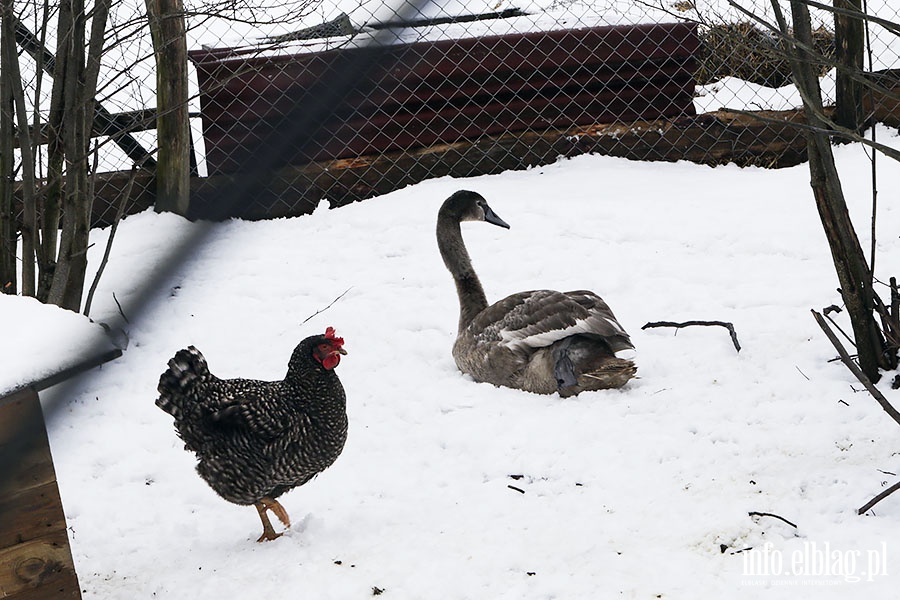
x: 35, y: 558
x: 713, y: 139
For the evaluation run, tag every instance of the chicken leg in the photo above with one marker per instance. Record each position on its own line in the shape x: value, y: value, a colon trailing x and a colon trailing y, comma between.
x: 277, y: 509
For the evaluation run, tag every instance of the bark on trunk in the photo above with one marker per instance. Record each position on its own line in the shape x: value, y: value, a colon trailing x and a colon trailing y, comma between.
x: 849, y: 42
x: 849, y: 260
x: 7, y: 217
x: 79, y: 81
x: 173, y: 161
x: 27, y: 166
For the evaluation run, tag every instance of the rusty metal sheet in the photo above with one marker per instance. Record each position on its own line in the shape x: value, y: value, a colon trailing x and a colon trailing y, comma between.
x: 446, y: 91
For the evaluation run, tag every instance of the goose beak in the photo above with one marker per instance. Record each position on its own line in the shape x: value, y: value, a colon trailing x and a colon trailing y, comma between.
x: 491, y: 217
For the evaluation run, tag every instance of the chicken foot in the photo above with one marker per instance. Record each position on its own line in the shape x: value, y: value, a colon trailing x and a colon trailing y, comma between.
x: 278, y: 510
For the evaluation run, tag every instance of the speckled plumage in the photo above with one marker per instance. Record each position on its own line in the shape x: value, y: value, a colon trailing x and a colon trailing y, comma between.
x: 541, y: 341
x: 254, y: 439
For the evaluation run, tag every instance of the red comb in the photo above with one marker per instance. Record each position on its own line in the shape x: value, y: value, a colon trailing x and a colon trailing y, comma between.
x: 329, y: 334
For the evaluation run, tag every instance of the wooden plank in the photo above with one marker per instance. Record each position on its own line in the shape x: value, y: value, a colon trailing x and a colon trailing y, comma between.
x: 714, y: 138
x: 108, y: 193
x: 117, y: 124
x: 39, y: 568
x: 30, y: 513
x: 35, y: 559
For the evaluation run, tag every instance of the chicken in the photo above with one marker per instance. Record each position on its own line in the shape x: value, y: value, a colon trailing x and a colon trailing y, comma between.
x: 256, y: 440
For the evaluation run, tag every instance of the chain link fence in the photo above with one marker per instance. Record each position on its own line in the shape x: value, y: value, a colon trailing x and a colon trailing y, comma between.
x: 459, y: 88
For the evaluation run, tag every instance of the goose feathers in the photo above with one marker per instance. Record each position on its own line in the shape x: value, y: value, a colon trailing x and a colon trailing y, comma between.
x: 539, y: 318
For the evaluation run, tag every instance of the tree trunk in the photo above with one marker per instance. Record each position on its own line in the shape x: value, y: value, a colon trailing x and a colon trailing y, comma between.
x: 849, y: 45
x: 52, y: 200
x: 173, y: 161
x: 7, y: 215
x: 69, y: 64
x: 850, y: 263
x: 27, y: 169
x: 79, y: 80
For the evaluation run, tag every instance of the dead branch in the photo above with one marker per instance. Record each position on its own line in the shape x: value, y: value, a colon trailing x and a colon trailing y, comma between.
x: 854, y: 368
x: 890, y: 26
x: 868, y: 505
x: 120, y: 212
x: 121, y: 312
x: 726, y: 325
x: 890, y: 320
x: 330, y: 304
x: 754, y: 513
x: 838, y: 327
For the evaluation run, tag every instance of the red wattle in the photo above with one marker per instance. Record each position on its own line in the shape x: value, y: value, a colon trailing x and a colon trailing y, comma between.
x: 331, y: 361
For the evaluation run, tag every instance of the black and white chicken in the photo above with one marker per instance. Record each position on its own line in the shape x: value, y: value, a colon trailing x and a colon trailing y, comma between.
x: 256, y: 440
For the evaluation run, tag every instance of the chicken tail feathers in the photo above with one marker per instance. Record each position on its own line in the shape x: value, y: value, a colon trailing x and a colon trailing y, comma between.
x: 187, y: 367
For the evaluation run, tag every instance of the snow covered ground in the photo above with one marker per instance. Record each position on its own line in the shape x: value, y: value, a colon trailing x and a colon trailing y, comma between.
x: 452, y: 489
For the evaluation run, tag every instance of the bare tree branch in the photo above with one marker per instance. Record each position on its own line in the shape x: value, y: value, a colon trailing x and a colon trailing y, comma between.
x: 120, y: 212
x: 754, y: 513
x: 726, y: 325
x: 868, y: 505
x: 330, y: 304
x: 832, y: 129
x: 890, y: 26
x: 854, y: 368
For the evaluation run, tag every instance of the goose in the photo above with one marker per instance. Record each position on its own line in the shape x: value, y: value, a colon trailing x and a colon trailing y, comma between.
x: 540, y: 341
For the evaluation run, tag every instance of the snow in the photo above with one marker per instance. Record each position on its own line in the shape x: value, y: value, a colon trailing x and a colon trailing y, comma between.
x: 736, y: 94
x: 452, y: 489
x: 48, y: 340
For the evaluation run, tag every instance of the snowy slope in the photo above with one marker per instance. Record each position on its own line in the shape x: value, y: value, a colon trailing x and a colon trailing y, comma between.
x: 632, y: 493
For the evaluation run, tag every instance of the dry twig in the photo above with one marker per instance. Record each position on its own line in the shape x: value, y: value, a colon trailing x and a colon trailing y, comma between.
x: 854, y: 368
x: 330, y: 304
x: 754, y: 513
x: 120, y: 213
x: 868, y: 505
x: 726, y: 325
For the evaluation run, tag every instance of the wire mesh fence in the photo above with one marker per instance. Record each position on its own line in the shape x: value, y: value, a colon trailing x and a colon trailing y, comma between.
x: 453, y: 88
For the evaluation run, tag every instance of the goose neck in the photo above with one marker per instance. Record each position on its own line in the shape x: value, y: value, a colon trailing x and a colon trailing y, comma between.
x: 469, y: 290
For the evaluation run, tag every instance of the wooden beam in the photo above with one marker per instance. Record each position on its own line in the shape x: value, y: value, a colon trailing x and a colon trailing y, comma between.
x: 102, y: 117
x: 117, y: 124
x: 35, y: 559
x: 766, y: 138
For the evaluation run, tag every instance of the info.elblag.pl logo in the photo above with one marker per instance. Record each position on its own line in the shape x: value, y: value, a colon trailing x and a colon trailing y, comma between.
x: 813, y: 563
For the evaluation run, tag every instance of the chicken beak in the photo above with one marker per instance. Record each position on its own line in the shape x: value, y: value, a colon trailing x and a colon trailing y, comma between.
x: 340, y: 351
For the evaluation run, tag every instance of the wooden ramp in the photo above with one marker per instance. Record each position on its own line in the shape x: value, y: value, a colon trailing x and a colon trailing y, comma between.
x: 35, y: 558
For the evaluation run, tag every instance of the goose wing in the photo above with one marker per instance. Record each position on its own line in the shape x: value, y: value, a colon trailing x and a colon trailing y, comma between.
x: 539, y: 318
